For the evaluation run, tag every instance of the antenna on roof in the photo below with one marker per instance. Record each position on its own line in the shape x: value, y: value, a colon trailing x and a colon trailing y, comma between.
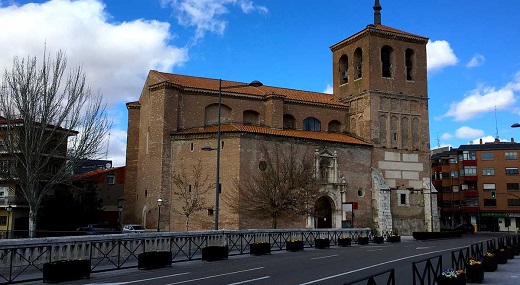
x: 377, y: 13
x: 438, y: 141
x: 496, y: 123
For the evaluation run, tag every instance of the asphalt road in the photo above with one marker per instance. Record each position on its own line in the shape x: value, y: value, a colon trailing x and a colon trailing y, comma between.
x: 335, y: 265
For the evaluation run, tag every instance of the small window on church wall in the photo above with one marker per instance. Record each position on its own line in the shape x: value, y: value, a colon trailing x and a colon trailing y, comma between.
x: 262, y: 165
x: 311, y: 124
x: 361, y: 193
x: 358, y: 63
x: 386, y: 61
x: 343, y: 69
x: 289, y: 122
x: 192, y: 147
x: 409, y: 57
x: 402, y: 199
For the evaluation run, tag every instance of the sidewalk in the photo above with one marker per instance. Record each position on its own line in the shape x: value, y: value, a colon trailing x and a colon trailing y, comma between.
x: 508, y: 273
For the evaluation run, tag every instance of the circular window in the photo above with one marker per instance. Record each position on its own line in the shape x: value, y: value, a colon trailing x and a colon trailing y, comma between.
x: 360, y: 192
x: 262, y: 165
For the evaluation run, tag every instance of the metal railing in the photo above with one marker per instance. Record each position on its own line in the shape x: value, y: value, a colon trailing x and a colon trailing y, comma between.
x: 426, y: 274
x: 372, y: 280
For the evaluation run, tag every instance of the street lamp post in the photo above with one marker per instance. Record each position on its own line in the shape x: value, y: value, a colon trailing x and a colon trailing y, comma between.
x: 119, y: 211
x: 159, y: 203
x: 254, y: 83
x: 9, y: 209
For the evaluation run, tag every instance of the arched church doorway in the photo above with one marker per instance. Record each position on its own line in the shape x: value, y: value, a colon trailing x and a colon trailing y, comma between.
x: 323, y: 213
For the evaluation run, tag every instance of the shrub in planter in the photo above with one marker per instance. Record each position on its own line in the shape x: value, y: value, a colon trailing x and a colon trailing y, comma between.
x: 259, y: 248
x: 378, y: 239
x: 154, y: 259
x: 66, y: 270
x: 294, y: 245
x: 509, y: 252
x: 490, y: 262
x: 474, y: 271
x: 322, y: 243
x: 344, y: 241
x: 451, y: 277
x: 362, y: 240
x: 215, y: 252
x: 516, y: 248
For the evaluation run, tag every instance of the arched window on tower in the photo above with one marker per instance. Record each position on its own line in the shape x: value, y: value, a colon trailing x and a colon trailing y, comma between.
x: 358, y: 63
x: 334, y: 126
x: 386, y: 61
x: 343, y: 69
x: 409, y: 57
x: 311, y: 124
x: 289, y: 122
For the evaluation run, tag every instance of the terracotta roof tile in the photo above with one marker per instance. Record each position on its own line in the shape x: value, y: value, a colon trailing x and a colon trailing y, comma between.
x: 94, y: 172
x: 332, y: 137
x: 209, y: 84
x: 393, y: 30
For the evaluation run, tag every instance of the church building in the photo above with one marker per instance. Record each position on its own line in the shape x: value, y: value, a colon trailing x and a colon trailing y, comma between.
x: 369, y: 139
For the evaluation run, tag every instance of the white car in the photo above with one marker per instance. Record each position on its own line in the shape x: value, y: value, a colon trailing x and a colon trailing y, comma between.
x: 133, y: 229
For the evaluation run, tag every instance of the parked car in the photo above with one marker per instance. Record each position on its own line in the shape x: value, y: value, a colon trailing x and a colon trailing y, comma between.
x: 133, y: 229
x: 466, y: 228
x: 97, y: 229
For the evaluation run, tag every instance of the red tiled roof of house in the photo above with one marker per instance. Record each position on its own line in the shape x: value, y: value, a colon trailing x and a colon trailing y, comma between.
x: 94, y: 172
x: 209, y: 84
x: 331, y: 137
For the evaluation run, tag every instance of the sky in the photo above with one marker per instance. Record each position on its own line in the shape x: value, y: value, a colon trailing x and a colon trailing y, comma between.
x: 473, y: 63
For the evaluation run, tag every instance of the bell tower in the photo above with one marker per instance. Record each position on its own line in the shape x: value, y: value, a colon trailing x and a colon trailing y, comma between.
x: 381, y: 73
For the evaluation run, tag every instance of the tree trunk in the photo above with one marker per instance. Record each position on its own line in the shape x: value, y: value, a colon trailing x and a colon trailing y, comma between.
x: 33, y: 213
x: 187, y: 222
x: 274, y: 222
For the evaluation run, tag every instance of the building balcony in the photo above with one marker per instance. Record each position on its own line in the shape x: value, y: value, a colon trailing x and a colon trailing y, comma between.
x: 469, y: 209
x: 12, y: 200
x: 470, y: 178
x: 470, y: 193
x: 469, y: 162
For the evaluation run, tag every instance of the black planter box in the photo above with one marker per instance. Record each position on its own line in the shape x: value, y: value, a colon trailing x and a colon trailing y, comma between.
x: 322, y: 243
x: 362, y: 240
x: 215, y: 252
x: 490, y: 263
x: 344, y: 242
x: 509, y: 252
x: 460, y: 280
x: 295, y: 245
x: 66, y: 270
x: 501, y: 256
x: 379, y: 239
x: 394, y: 239
x: 475, y: 273
x: 516, y: 249
x: 260, y: 248
x: 154, y: 259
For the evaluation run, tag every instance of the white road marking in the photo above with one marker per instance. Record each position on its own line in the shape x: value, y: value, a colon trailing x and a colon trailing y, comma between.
x: 378, y: 249
x: 250, y: 280
x: 321, y: 257
x: 423, y: 247
x: 141, y: 280
x: 376, y: 265
x: 214, y: 276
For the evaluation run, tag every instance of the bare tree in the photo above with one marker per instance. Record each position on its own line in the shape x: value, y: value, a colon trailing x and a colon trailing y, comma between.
x: 49, y: 121
x: 190, y: 190
x: 285, y: 186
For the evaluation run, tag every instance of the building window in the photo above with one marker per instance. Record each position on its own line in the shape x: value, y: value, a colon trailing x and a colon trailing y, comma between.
x: 468, y: 155
x: 511, y: 155
x: 210, y: 212
x: 470, y: 171
x: 3, y: 220
x: 386, y: 61
x: 472, y: 202
x: 489, y: 187
x: 453, y: 159
x: 487, y: 156
x: 402, y: 199
x: 4, y: 166
x: 289, y: 122
x: 490, y: 171
x: 490, y: 202
x: 511, y: 170
x: 454, y: 174
x: 262, y: 165
x: 513, y: 186
x: 513, y: 202
x: 358, y: 63
x: 311, y: 124
x: 192, y: 147
x: 409, y: 61
x: 343, y: 69
x: 455, y: 188
x: 111, y: 179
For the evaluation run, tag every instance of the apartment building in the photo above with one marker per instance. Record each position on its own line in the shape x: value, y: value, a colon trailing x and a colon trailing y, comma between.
x: 479, y: 183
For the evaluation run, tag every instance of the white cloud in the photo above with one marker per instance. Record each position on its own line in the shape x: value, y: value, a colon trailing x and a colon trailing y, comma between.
x: 440, y: 55
x: 207, y: 15
x: 446, y: 136
x: 329, y: 89
x: 477, y: 60
x: 468, y: 133
x: 115, y: 57
x: 484, y: 99
x: 117, y: 147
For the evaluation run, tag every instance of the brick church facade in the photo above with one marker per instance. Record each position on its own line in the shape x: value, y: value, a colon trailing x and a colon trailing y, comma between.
x: 371, y: 136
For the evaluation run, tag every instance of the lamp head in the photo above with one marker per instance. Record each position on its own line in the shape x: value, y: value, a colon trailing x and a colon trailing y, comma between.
x: 159, y: 202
